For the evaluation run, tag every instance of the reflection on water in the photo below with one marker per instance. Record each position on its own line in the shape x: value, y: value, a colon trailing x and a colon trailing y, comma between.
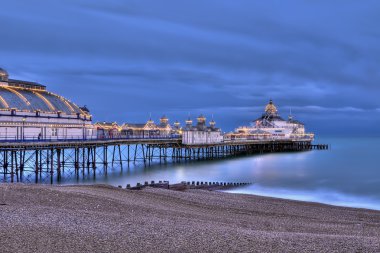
x: 347, y: 174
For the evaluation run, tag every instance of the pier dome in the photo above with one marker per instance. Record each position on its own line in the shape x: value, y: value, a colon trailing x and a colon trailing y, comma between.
x: 29, y: 100
x: 270, y: 108
x: 29, y: 112
x: 271, y: 113
x: 28, y: 96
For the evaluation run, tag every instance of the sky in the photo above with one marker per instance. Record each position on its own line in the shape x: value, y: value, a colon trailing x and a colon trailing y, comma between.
x: 129, y: 59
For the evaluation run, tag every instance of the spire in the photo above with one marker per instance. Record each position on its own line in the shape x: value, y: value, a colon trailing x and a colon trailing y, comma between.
x: 290, y: 114
x: 212, y: 122
x: 150, y: 121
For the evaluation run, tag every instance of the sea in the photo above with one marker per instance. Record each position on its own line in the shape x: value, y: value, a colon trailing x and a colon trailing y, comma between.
x: 348, y: 174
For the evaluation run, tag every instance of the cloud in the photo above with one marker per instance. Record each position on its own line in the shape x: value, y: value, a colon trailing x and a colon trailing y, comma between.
x: 125, y: 59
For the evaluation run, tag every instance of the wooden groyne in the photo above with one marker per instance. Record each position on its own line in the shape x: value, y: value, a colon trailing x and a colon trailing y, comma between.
x: 187, y: 185
x: 319, y: 146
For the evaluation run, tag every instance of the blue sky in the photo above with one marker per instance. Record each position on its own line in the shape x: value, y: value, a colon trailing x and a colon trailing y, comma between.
x: 125, y: 59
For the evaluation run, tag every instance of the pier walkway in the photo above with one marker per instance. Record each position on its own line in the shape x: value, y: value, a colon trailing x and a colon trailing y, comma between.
x: 39, y: 160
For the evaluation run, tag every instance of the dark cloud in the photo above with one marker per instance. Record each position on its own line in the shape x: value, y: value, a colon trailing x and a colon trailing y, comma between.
x: 126, y: 59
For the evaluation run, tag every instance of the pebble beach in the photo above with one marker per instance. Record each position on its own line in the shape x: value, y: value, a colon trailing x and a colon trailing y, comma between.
x: 101, y: 218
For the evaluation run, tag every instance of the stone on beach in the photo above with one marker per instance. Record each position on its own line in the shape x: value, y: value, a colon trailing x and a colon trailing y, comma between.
x: 38, y: 218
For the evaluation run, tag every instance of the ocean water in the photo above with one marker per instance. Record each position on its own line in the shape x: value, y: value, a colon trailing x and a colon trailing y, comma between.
x: 348, y: 174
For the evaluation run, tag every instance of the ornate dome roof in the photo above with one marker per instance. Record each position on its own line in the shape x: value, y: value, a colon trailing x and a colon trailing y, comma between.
x: 30, y: 100
x: 25, y: 96
x: 271, y: 109
x: 31, y: 97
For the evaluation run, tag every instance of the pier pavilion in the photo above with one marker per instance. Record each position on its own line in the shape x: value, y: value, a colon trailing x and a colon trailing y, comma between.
x: 201, y: 133
x: 272, y: 126
x: 107, y: 130
x: 45, y: 136
x: 149, y: 129
x: 28, y: 111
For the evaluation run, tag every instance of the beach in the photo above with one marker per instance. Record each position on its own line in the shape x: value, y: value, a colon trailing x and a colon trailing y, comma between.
x: 101, y: 218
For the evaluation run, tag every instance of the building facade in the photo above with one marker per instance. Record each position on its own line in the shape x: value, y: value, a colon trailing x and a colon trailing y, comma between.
x: 150, y: 129
x: 164, y: 128
x: 138, y: 130
x: 272, y: 126
x: 107, y: 130
x: 28, y: 112
x: 201, y: 133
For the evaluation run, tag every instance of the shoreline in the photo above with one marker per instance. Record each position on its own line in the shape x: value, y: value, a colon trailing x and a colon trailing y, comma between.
x: 99, y: 218
x: 312, y: 197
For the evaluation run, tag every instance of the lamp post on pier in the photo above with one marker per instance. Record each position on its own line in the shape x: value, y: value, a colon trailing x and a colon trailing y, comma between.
x: 23, y: 128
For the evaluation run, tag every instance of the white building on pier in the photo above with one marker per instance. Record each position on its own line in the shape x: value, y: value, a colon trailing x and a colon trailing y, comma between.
x: 28, y: 111
x: 201, y: 134
x: 271, y: 126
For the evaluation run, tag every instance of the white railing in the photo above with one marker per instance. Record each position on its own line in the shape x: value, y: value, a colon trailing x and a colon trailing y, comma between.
x: 81, y: 138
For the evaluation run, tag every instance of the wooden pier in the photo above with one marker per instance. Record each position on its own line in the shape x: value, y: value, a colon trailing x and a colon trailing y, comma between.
x: 186, y: 185
x: 50, y: 161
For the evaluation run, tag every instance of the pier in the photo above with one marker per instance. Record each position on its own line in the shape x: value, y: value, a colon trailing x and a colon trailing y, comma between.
x: 45, y: 138
x: 50, y: 161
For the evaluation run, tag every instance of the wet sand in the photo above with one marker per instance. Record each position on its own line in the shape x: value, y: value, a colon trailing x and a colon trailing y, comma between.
x: 100, y: 218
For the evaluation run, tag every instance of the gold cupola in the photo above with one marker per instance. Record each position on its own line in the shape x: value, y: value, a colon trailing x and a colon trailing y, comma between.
x: 270, y: 108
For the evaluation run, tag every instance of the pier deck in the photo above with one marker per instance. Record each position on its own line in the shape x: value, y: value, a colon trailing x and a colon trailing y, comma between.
x: 38, y: 160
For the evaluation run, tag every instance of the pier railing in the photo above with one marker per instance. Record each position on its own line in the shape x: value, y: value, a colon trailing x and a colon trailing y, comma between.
x: 55, y: 160
x: 79, y: 138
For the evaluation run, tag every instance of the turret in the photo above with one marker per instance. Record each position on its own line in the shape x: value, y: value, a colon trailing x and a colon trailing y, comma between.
x: 189, y: 123
x: 270, y: 109
x: 212, y: 124
x: 177, y: 125
x: 164, y: 121
x: 201, y: 122
x: 201, y: 119
x: 150, y: 121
